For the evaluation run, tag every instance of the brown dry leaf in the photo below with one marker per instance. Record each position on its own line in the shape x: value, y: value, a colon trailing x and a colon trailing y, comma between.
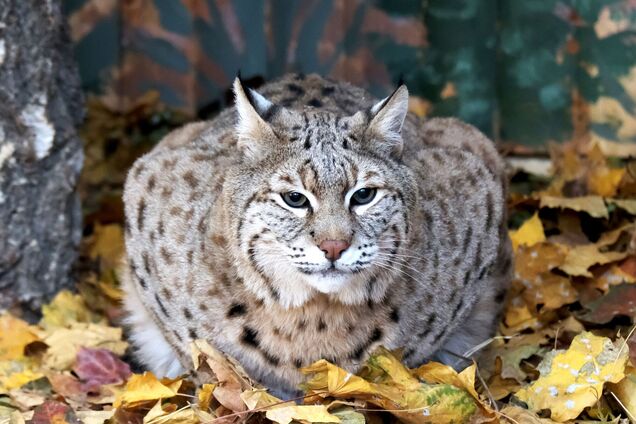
x: 531, y: 261
x: 593, y: 205
x: 549, y: 290
x: 612, y: 276
x: 230, y: 378
x: 519, y: 415
x: 580, y: 258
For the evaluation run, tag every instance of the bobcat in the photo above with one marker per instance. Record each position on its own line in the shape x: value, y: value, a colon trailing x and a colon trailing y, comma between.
x: 310, y: 221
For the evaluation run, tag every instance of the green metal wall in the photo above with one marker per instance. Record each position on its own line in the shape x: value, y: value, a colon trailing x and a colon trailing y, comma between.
x: 523, y: 71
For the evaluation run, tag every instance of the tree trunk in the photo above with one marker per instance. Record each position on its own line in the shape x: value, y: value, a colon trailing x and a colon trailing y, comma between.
x: 40, y: 153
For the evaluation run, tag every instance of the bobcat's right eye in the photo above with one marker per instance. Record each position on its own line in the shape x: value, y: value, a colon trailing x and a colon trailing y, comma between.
x: 295, y: 199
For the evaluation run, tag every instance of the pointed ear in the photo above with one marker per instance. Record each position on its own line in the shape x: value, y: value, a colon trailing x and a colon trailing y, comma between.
x: 387, y: 118
x: 253, y: 131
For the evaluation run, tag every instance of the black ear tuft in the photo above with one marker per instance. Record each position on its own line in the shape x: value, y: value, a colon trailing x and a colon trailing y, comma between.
x: 400, y: 80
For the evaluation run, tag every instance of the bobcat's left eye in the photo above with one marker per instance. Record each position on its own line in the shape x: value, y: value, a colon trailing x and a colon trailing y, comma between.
x: 295, y: 199
x: 363, y: 196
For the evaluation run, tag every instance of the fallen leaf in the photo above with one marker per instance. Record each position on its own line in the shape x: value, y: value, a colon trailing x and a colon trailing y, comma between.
x: 549, y: 290
x: 146, y: 387
x: 348, y: 415
x: 604, y: 181
x: 572, y: 380
x: 628, y: 205
x: 18, y: 372
x: 65, y: 343
x: 620, y: 300
x: 158, y: 415
x: 593, y: 205
x: 15, y: 334
x: 53, y: 412
x: 96, y: 367
x: 108, y: 245
x: 625, y: 391
x: 65, y: 309
x: 258, y: 398
x: 519, y: 415
x: 310, y: 413
x: 511, y: 358
x: 405, y: 397
x: 231, y: 382
x: 205, y: 396
x: 529, y: 234
x: 580, y: 258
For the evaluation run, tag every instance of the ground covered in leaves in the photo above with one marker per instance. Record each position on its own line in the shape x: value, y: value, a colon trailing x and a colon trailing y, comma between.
x: 565, y: 349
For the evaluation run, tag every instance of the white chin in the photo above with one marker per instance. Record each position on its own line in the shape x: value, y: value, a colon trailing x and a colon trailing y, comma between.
x: 330, y: 281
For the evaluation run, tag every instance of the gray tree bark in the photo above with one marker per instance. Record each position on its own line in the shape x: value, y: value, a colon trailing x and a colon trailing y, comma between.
x: 40, y: 153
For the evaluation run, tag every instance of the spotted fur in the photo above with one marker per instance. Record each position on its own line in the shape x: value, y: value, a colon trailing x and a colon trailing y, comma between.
x: 215, y: 253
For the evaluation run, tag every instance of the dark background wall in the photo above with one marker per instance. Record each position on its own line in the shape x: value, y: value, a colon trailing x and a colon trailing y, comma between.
x: 523, y: 71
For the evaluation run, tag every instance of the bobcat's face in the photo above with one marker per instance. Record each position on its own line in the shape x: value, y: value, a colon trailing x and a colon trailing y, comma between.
x: 331, y: 202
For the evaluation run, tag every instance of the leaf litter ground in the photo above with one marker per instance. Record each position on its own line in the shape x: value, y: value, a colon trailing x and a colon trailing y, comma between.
x: 565, y: 350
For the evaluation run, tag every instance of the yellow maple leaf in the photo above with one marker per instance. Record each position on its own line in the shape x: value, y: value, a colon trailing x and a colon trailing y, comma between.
x: 572, y: 380
x: 309, y: 413
x: 18, y: 372
x: 146, y: 387
x: 15, y: 334
x: 205, y: 396
x: 604, y: 181
x: 530, y: 233
x: 108, y: 245
x: 65, y: 309
x: 64, y: 343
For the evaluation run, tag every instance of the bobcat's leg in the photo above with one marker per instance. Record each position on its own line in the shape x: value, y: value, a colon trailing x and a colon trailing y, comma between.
x: 150, y: 346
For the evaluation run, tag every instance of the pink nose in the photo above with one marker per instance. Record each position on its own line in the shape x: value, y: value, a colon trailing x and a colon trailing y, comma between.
x: 333, y: 248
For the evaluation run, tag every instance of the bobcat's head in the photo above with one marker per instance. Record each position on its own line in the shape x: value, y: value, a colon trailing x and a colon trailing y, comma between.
x: 322, y: 201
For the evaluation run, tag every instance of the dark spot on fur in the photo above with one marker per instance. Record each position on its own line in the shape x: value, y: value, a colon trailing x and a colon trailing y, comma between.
x: 296, y: 89
x: 395, y: 315
x: 236, y: 309
x: 427, y: 325
x: 322, y: 326
x: 249, y: 337
x: 500, y: 296
x: 190, y: 179
x: 298, y: 363
x: 161, y: 306
x: 178, y: 336
x: 193, y: 333
x: 187, y: 314
x: 314, y: 102
x: 327, y: 90
x: 152, y: 182
x: 167, y: 256
x: 203, y: 307
x: 141, y: 210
